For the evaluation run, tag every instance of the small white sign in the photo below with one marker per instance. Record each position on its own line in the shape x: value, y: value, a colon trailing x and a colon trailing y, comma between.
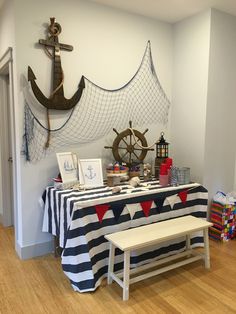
x: 67, y: 166
x: 90, y: 172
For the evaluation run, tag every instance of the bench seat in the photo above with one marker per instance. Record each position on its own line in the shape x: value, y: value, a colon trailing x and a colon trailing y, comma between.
x: 137, y: 238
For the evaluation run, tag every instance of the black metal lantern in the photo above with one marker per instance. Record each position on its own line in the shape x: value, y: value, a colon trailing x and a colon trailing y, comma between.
x: 162, y: 147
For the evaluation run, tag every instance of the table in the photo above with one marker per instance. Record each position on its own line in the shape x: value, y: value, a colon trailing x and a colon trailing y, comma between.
x: 71, y: 216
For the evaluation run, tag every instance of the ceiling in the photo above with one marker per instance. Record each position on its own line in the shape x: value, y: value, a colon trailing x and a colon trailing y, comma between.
x: 168, y: 10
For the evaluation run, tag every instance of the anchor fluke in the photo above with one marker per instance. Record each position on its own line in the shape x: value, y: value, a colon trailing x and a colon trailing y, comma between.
x: 57, y: 101
x: 46, y: 102
x: 81, y: 83
x: 31, y: 76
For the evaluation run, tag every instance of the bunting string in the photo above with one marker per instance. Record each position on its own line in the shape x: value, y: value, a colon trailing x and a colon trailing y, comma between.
x: 117, y: 208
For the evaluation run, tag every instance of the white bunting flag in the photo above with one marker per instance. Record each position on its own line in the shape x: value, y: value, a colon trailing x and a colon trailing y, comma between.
x: 171, y: 200
x: 132, y: 208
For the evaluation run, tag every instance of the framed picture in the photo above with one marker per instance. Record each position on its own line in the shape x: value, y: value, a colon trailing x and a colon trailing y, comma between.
x: 90, y: 172
x: 67, y: 163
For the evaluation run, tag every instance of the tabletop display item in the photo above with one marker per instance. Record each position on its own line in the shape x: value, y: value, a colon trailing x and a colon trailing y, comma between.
x: 116, y: 173
x: 116, y: 190
x: 134, y: 171
x: 90, y: 172
x: 174, y: 176
x: 162, y: 149
x: 183, y: 175
x: 67, y: 166
x: 130, y: 146
x: 147, y: 172
x: 117, y: 168
x: 165, y: 172
x: 134, y: 182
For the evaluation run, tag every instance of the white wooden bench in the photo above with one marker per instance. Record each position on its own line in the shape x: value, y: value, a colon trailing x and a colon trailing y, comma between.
x: 147, y: 235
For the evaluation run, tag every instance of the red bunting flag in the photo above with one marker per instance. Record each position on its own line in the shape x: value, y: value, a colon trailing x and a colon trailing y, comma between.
x: 183, y: 196
x: 101, y: 210
x: 146, y: 206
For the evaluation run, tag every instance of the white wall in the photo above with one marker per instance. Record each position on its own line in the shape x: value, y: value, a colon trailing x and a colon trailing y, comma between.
x: 6, y: 26
x: 203, y: 102
x: 103, y: 38
x: 221, y: 109
x: 189, y: 99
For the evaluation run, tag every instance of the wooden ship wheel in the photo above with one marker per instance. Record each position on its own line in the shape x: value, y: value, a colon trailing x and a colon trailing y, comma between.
x: 126, y: 147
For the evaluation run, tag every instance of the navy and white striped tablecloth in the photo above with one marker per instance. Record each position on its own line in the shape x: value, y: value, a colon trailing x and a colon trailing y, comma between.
x: 71, y: 216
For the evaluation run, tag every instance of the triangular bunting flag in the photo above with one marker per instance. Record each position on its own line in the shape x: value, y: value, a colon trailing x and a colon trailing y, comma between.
x: 146, y: 206
x: 132, y: 208
x: 183, y: 196
x: 171, y: 200
x: 101, y: 210
x: 159, y: 203
x: 117, y: 210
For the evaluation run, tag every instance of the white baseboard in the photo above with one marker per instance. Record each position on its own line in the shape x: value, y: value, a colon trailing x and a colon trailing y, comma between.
x: 35, y: 250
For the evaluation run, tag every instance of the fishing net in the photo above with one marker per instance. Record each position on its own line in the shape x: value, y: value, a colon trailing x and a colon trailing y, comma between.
x: 142, y: 101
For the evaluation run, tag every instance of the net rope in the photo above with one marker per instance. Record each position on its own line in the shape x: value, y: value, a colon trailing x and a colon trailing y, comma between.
x: 142, y: 101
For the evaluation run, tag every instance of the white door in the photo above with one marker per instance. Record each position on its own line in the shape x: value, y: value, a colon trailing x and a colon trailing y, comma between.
x: 9, y: 153
x: 6, y: 182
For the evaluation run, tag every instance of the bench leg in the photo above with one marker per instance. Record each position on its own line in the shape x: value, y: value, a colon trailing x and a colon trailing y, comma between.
x: 206, y: 248
x: 126, y: 275
x: 188, y: 243
x: 111, y: 263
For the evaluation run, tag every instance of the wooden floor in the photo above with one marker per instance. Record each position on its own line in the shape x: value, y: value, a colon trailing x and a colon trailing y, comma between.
x: 39, y: 286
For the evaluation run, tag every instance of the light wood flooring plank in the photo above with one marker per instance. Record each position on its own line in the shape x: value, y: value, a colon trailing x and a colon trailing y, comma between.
x: 40, y: 286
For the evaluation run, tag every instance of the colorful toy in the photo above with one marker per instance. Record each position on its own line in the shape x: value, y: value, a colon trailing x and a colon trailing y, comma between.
x: 223, y: 217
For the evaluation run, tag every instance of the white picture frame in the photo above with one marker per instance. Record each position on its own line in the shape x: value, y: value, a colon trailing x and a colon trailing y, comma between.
x: 90, y: 172
x: 67, y: 163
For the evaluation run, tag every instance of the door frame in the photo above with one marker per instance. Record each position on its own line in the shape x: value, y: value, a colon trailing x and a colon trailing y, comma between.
x: 6, y: 69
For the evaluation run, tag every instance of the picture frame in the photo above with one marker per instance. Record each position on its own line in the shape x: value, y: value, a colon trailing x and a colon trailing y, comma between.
x: 90, y: 172
x: 67, y: 163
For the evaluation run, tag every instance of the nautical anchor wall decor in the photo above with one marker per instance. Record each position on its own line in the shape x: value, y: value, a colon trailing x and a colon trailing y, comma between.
x: 56, y: 100
x: 100, y: 110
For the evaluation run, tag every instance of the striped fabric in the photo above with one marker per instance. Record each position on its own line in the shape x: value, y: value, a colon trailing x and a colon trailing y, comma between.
x: 71, y: 216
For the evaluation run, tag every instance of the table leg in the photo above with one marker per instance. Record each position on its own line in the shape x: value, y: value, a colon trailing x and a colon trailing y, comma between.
x: 111, y: 263
x: 206, y: 248
x: 57, y: 248
x: 126, y: 275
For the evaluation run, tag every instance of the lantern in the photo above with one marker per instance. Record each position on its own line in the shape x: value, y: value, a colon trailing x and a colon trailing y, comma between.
x: 162, y: 147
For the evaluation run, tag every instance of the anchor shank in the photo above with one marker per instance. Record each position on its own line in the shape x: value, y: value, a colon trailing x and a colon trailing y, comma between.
x: 57, y: 73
